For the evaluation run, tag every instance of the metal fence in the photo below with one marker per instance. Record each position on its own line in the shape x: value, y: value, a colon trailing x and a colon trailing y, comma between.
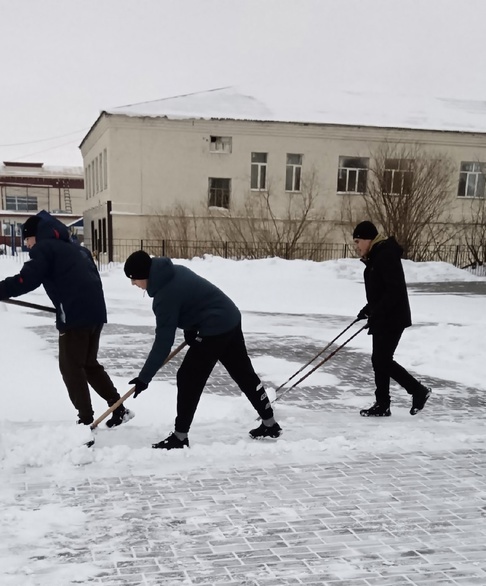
x: 458, y: 255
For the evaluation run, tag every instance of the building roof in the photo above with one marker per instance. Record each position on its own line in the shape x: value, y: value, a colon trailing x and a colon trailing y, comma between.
x: 23, y: 169
x: 353, y: 108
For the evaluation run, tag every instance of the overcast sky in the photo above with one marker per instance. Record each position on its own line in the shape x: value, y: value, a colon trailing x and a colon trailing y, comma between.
x: 64, y: 61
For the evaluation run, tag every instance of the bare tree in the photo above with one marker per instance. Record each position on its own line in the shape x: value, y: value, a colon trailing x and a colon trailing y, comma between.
x: 408, y: 194
x: 279, y: 223
x: 475, y: 231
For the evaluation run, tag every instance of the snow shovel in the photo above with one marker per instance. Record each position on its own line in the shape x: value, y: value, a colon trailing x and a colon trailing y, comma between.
x: 316, y: 356
x: 29, y: 305
x: 323, y: 361
x: 129, y: 393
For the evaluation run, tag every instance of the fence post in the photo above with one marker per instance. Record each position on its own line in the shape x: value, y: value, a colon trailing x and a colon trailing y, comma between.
x: 163, y: 247
x: 456, y: 257
x: 225, y: 249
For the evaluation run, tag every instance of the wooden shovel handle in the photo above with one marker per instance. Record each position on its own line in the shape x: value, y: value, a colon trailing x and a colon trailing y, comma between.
x: 129, y: 393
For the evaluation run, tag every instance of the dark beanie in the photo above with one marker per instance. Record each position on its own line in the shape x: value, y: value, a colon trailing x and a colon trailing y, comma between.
x: 137, y: 265
x: 30, y: 227
x: 365, y: 231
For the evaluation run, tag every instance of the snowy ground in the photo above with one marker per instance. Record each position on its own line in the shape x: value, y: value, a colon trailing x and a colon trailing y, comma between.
x: 288, y: 307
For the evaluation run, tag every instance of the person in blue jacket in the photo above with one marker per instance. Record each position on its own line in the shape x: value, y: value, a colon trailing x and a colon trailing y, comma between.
x: 212, y: 328
x: 72, y: 282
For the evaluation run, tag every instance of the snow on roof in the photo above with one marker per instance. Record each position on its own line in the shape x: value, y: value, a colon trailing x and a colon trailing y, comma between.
x: 24, y: 169
x: 356, y: 108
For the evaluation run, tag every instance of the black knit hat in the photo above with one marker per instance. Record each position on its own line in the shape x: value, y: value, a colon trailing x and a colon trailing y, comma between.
x: 365, y: 231
x: 137, y: 265
x: 30, y: 227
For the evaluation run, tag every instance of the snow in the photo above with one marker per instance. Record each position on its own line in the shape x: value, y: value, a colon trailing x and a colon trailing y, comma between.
x: 278, y: 298
x: 280, y: 103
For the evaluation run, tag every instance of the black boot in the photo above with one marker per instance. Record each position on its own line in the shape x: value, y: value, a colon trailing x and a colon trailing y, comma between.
x: 172, y: 442
x: 376, y: 410
x: 120, y: 415
x: 419, y: 399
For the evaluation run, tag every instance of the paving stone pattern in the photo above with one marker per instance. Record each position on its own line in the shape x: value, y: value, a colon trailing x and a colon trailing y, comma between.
x: 413, y: 520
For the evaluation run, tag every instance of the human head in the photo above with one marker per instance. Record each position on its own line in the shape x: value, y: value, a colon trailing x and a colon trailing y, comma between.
x: 29, y: 230
x: 137, y: 268
x: 363, y: 235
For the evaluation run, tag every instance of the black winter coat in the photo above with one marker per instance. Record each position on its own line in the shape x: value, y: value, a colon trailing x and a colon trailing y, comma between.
x: 388, y: 308
x: 69, y: 276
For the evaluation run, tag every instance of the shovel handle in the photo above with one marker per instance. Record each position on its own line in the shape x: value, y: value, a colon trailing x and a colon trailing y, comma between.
x: 29, y: 305
x: 130, y: 392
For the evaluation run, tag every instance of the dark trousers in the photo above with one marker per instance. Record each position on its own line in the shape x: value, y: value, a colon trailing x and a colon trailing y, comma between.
x: 198, y: 363
x: 384, y: 346
x: 79, y: 366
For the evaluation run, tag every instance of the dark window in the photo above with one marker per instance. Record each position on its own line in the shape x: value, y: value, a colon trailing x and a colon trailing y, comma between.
x: 219, y: 192
x: 293, y: 172
x: 21, y: 203
x: 398, y: 176
x: 220, y: 144
x: 472, y: 180
x: 258, y: 171
x: 352, y: 175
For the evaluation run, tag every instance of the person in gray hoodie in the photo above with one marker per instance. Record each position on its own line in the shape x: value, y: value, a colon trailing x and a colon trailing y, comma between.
x: 212, y: 328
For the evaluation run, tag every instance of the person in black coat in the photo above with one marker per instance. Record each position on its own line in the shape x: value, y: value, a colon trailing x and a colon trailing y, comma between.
x: 388, y: 314
x: 212, y: 328
x: 72, y: 282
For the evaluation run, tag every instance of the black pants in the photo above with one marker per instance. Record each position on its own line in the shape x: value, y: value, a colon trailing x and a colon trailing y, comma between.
x: 78, y: 363
x: 198, y: 363
x: 384, y: 346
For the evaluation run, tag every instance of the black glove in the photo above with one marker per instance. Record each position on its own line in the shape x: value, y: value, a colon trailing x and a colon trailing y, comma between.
x: 363, y: 314
x: 191, y: 336
x: 139, y: 386
x: 3, y: 291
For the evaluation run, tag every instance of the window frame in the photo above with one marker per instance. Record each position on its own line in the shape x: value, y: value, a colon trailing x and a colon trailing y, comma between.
x: 293, y: 173
x: 402, y: 174
x: 261, y: 172
x: 479, y: 180
x: 348, y: 170
x: 219, y: 193
x: 222, y: 145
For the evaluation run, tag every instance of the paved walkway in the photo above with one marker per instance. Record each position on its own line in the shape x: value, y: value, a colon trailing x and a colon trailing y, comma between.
x: 414, y: 520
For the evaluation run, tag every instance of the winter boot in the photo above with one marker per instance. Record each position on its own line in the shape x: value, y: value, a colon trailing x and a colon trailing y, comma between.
x: 419, y: 400
x: 172, y: 442
x: 120, y: 415
x: 274, y: 431
x: 376, y: 410
x: 85, y: 420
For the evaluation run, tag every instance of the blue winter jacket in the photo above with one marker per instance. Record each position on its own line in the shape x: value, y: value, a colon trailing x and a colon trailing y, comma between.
x: 183, y: 299
x: 68, y: 274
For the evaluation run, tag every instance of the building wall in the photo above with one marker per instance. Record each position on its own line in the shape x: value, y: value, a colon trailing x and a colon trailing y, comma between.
x: 155, y: 164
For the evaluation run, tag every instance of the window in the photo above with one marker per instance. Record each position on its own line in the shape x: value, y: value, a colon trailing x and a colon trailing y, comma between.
x: 352, y: 175
x: 471, y: 180
x: 293, y: 172
x: 105, y: 170
x: 258, y: 171
x: 219, y: 192
x: 21, y: 203
x: 220, y: 144
x: 398, y: 176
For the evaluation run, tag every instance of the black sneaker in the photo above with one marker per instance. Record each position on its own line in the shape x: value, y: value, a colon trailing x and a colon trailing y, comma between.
x: 376, y: 410
x: 263, y: 431
x: 172, y: 443
x: 120, y: 415
x: 85, y: 420
x: 419, y: 400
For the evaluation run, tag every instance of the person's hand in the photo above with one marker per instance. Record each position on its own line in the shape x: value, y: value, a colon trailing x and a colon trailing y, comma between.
x: 191, y: 336
x: 139, y: 386
x: 363, y: 314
